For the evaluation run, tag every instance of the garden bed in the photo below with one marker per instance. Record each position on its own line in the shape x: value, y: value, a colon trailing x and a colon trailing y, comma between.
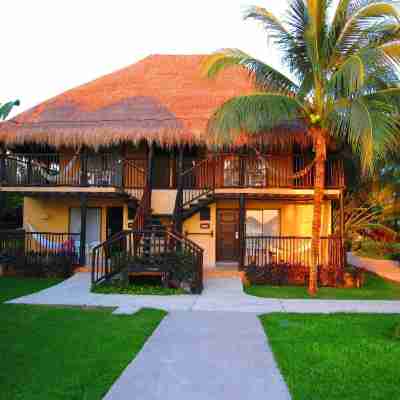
x: 142, y: 287
x: 374, y: 288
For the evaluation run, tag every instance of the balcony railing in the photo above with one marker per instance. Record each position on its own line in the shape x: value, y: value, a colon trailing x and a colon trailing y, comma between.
x: 293, y: 255
x: 236, y: 171
x: 100, y: 170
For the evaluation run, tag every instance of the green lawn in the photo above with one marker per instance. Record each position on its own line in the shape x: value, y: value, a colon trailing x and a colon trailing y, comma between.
x: 375, y: 288
x: 336, y: 357
x: 11, y: 287
x: 64, y: 353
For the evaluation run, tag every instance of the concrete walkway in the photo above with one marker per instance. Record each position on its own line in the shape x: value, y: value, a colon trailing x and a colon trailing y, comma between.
x: 387, y: 269
x: 220, y: 294
x: 203, y: 356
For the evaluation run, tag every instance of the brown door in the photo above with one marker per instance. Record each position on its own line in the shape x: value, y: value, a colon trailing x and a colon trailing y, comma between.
x: 227, y: 235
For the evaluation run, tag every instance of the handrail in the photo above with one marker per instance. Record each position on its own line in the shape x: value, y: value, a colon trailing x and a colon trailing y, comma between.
x: 295, y: 253
x: 143, y: 251
x: 291, y: 171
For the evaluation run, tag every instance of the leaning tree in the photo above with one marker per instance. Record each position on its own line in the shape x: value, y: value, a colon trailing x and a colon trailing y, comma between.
x: 342, y: 85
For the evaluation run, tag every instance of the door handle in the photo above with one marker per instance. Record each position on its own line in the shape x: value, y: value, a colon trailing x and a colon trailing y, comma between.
x: 236, y: 235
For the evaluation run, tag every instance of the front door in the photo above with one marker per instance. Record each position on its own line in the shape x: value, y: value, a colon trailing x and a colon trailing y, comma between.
x: 227, y: 235
x: 115, y: 216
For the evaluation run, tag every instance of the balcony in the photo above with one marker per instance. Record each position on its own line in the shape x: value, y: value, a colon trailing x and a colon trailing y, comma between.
x: 229, y: 171
x: 104, y: 171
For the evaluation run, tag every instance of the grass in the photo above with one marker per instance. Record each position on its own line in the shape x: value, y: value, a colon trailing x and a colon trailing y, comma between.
x: 336, y: 357
x: 375, y: 288
x: 11, y: 287
x: 64, y: 353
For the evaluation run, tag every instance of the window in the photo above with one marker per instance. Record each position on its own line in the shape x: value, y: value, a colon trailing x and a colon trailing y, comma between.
x: 262, y: 223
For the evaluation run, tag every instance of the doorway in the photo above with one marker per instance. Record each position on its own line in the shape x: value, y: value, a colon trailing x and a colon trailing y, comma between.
x: 115, y: 220
x: 228, y: 243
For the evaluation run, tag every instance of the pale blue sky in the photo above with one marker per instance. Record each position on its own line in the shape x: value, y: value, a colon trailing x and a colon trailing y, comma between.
x: 49, y: 46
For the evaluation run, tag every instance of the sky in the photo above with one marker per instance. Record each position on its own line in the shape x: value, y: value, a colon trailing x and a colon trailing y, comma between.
x: 50, y: 46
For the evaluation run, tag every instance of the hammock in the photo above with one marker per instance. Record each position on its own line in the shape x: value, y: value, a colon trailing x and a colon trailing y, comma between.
x: 296, y: 175
x: 40, y: 238
x: 54, y: 176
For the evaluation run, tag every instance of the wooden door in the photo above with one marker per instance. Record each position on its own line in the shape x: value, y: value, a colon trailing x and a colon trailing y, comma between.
x: 227, y: 235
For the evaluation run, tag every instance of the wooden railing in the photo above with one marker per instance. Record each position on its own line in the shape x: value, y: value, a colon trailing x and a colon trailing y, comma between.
x: 146, y: 251
x: 238, y: 171
x: 198, y: 181
x: 294, y: 252
x: 102, y: 170
x: 19, y: 247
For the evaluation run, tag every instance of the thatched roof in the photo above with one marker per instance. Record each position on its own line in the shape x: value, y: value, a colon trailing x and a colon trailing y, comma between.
x: 161, y: 98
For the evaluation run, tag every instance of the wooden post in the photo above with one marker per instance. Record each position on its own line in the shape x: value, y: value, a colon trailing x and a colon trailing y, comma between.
x: 82, y: 247
x: 84, y: 172
x: 242, y: 230
x: 179, y: 195
x: 2, y: 179
x: 2, y: 164
x: 341, y: 215
x: 30, y: 171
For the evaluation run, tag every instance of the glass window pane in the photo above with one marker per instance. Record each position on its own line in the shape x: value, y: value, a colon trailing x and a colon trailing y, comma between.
x: 253, y: 222
x: 271, y: 223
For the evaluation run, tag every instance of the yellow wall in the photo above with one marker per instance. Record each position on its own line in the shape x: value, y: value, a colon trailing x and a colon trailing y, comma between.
x: 52, y: 214
x: 163, y: 201
x: 296, y: 220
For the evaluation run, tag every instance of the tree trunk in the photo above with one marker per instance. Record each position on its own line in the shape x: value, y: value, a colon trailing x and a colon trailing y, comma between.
x: 319, y: 188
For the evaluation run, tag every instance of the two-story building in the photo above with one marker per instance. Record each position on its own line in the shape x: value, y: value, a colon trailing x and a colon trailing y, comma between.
x: 106, y: 156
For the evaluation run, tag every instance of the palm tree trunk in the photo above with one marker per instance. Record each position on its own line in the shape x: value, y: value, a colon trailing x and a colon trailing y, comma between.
x: 319, y: 188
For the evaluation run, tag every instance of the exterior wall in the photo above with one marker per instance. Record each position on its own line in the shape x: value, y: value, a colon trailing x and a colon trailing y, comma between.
x: 163, y: 201
x: 52, y: 214
x: 296, y: 220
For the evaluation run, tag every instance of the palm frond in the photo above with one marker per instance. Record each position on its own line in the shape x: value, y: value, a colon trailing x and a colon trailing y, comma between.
x: 365, y: 26
x: 349, y: 78
x: 272, y: 25
x: 368, y: 125
x: 6, y: 108
x: 265, y: 77
x: 253, y: 114
x: 295, y: 53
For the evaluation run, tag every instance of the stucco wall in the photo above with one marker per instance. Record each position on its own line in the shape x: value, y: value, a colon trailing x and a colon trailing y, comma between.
x: 163, y: 201
x: 52, y: 214
x: 296, y: 220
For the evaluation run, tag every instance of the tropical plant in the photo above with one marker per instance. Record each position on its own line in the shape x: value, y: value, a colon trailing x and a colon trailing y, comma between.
x: 7, y: 201
x: 6, y: 108
x: 369, y: 210
x: 343, y: 85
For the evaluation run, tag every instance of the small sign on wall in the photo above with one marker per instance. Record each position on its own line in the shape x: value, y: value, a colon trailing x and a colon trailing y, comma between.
x: 205, y: 225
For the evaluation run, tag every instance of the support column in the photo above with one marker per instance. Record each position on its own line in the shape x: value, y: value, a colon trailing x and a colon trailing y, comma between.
x: 341, y: 215
x: 2, y: 179
x: 242, y: 230
x: 150, y: 158
x: 179, y: 198
x: 82, y: 247
x: 83, y: 164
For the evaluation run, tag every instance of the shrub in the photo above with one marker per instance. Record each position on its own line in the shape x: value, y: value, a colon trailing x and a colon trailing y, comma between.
x: 52, y: 265
x: 379, y: 249
x: 178, y: 266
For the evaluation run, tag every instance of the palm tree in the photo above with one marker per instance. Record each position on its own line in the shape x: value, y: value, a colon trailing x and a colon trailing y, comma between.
x: 6, y: 108
x: 343, y: 85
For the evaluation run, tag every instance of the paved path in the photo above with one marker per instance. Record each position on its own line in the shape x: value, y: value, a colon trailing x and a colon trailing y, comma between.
x: 203, y: 356
x: 386, y: 268
x: 221, y: 294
